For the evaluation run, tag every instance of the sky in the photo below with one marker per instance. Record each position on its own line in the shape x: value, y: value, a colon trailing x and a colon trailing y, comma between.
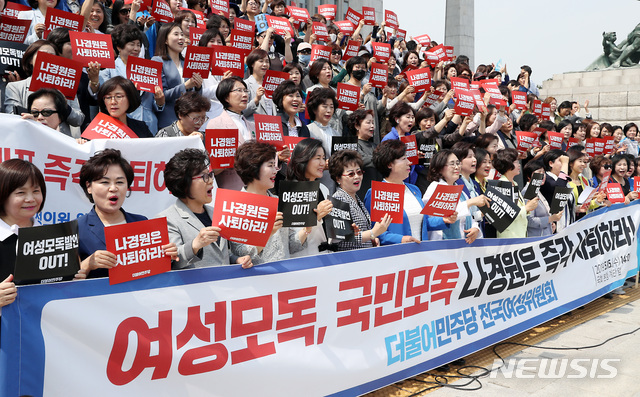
x: 551, y: 36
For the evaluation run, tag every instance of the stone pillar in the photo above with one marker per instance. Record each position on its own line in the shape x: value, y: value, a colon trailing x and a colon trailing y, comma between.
x: 459, y: 28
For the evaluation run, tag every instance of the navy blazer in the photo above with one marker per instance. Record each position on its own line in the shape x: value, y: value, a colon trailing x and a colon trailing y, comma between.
x: 91, y: 236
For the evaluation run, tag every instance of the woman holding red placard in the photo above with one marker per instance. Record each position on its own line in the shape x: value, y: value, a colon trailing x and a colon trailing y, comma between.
x: 117, y: 97
x: 37, y: 16
x: 258, y: 64
x: 619, y: 165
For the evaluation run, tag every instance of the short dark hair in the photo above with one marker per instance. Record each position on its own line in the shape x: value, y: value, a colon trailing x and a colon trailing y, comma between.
x: 426, y: 113
x: 225, y: 87
x: 526, y: 68
x: 31, y: 52
x: 550, y: 156
x: 123, y: 34
x: 480, y: 154
x: 437, y: 164
x: 628, y: 126
x: 356, y: 118
x: 386, y: 153
x: 254, y: 56
x: 530, y: 168
x: 304, y: 151
x: 191, y: 102
x: 97, y: 166
x: 342, y: 158
x: 398, y: 110
x: 357, y: 60
x: 548, y: 125
x: 618, y: 158
x: 316, y: 68
x: 527, y: 121
x: 15, y: 173
x: 317, y: 97
x: 127, y: 86
x: 564, y: 105
x: 161, y: 46
x: 485, y: 140
x: 504, y: 159
x: 249, y: 158
x: 294, y: 65
x: 209, y: 35
x: 181, y: 15
x: 180, y: 170
x: 575, y: 152
x: 215, y: 20
x: 59, y: 101
x: 597, y: 162
x: 285, y: 88
x: 461, y: 149
x: 59, y: 37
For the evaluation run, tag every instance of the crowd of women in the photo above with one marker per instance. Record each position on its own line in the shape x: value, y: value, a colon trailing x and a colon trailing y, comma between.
x: 469, y: 151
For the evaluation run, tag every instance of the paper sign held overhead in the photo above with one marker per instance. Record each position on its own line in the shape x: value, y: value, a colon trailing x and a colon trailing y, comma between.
x: 221, y: 145
x: 391, y: 19
x: 161, y: 11
x: 329, y: 11
x: 56, y: 18
x: 320, y: 51
x: 197, y: 60
x: 420, y: 79
x: 13, y: 29
x: 348, y: 96
x: 369, y: 15
x: 346, y: 27
x: 227, y: 58
x: 57, y: 72
x: 269, y: 130
x: 145, y: 74
x: 381, y: 51
x: 379, y: 75
x: 353, y: 16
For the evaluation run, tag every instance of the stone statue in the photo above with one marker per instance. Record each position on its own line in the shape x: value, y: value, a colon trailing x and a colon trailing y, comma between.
x: 624, y: 55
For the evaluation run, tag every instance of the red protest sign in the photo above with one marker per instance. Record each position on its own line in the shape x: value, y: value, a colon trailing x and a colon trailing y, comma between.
x: 57, y: 72
x: 412, y: 148
x: 379, y: 75
x: 161, y: 11
x: 546, y: 111
x: 280, y: 25
x: 555, y: 139
x: 572, y: 142
x: 241, y: 40
x: 519, y: 99
x: 525, y: 140
x: 537, y: 108
x: 269, y: 130
x: 61, y: 19
x: 320, y: 51
x: 424, y: 40
x: 609, y: 144
x: 408, y: 68
x: 387, y: 198
x: 244, y: 217
x: 636, y: 184
x: 496, y: 96
x: 299, y: 14
x: 443, y: 201
x: 220, y: 7
x: 589, y: 146
x: 145, y: 74
x: 197, y: 60
x: 615, y: 193
x: 475, y: 85
x: 348, y: 96
x: 104, y: 126
x: 401, y: 34
x: 272, y: 79
x: 458, y: 83
x: 369, y: 15
x: 391, y: 19
x: 434, y: 97
x: 138, y: 249
x: 221, y: 144
x: 14, y: 30
x: 195, y: 34
x: 381, y: 51
x: 292, y: 141
x: 92, y: 47
x: 346, y: 27
x: 598, y: 146
x: 12, y: 9
x: 477, y: 97
x: 353, y: 16
x: 227, y: 58
x: 352, y: 49
x: 420, y: 79
x: 465, y: 103
x: 448, y: 50
x: 244, y: 25
x: 320, y: 30
x: 329, y: 11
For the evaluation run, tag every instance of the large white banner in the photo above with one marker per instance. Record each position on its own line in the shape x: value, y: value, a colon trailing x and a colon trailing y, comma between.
x: 60, y: 158
x: 335, y: 324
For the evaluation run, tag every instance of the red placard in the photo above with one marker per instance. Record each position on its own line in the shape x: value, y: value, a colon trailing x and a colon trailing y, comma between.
x: 320, y: 51
x: 537, y: 108
x: 475, y: 85
x: 221, y: 144
x: 387, y: 198
x: 379, y: 75
x: 138, y: 249
x: 546, y: 111
x: 220, y: 7
x: 352, y: 49
x: 272, y: 79
x: 280, y: 25
x: 329, y: 11
x: 434, y: 97
x: 104, y: 126
x: 412, y: 148
x: 420, y: 79
x: 458, y: 83
x: 92, y: 47
x: 525, y: 140
x: 391, y: 19
x: 320, y: 30
x: 424, y: 40
x: 369, y: 15
x: 477, y: 97
x: 496, y: 96
x: 145, y: 74
x: 161, y: 11
x: 572, y: 142
x: 401, y: 34
x: 448, y: 50
x: 346, y: 27
x: 12, y: 9
x: 227, y: 58
x: 519, y: 99
x: 348, y: 96
x: 408, y: 68
x: 195, y: 34
x: 589, y: 146
x: 57, y: 72
x: 14, y: 30
x: 381, y: 51
x: 636, y: 184
x: 245, y: 25
x: 353, y: 16
x: 555, y: 139
x: 197, y: 60
x: 61, y: 19
x: 615, y: 193
x: 242, y: 40
x: 244, y: 217
x: 599, y: 146
x: 269, y: 130
x: 465, y: 103
x: 299, y: 14
x: 443, y: 201
x: 291, y: 142
x: 609, y: 144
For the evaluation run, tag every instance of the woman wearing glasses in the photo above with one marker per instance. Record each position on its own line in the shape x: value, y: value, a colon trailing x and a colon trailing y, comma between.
x: 187, y: 176
x: 48, y: 106
x: 191, y: 109
x: 117, y: 97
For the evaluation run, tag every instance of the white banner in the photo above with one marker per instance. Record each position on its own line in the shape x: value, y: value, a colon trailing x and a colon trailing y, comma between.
x: 336, y: 324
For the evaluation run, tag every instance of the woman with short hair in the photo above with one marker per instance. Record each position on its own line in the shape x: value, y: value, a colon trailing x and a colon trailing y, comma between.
x: 191, y: 109
x: 117, y: 97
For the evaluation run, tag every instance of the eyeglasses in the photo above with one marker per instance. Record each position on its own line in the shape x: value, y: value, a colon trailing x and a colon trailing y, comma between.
x: 125, y: 11
x: 352, y: 173
x: 453, y: 164
x: 206, y: 177
x: 118, y: 98
x: 305, y: 52
x: 199, y: 120
x: 241, y: 90
x: 607, y: 166
x: 43, y: 112
x: 336, y: 52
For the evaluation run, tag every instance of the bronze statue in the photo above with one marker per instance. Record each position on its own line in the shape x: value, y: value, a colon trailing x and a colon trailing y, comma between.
x: 615, y: 56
